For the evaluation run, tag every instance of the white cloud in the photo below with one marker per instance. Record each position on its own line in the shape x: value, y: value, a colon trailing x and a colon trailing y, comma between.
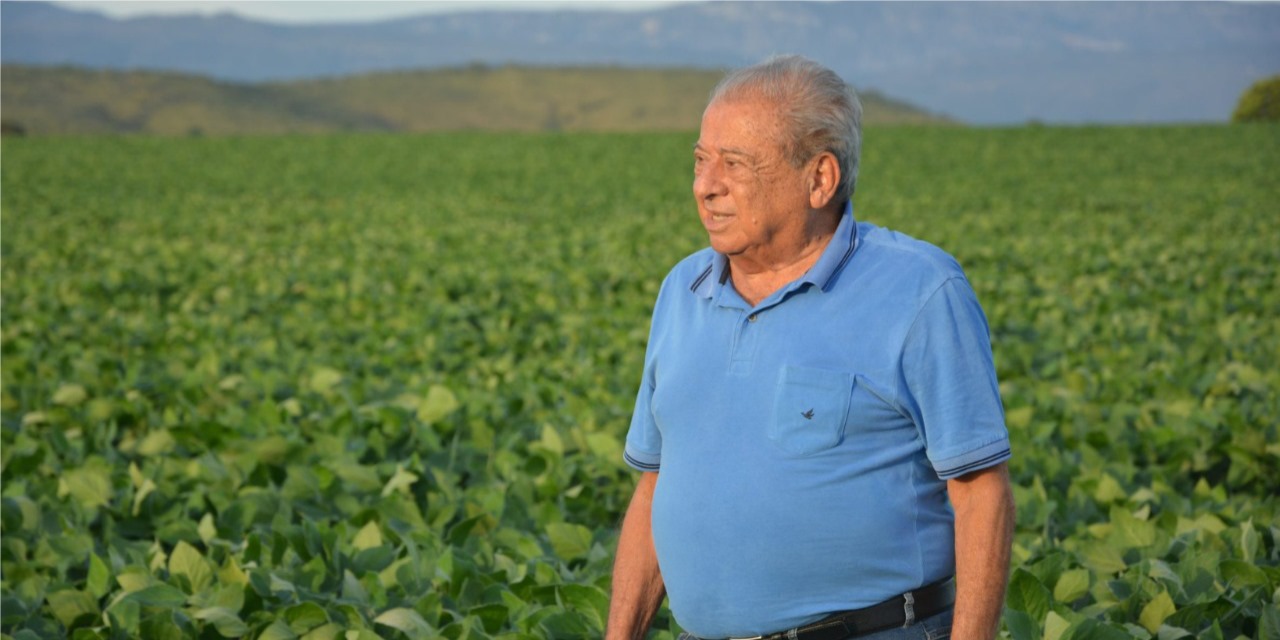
x: 311, y: 12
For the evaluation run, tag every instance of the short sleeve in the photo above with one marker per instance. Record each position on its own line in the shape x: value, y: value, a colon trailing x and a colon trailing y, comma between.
x: 949, y: 381
x: 643, y: 450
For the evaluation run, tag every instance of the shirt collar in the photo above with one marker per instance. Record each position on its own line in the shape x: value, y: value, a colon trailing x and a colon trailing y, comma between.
x: 822, y: 274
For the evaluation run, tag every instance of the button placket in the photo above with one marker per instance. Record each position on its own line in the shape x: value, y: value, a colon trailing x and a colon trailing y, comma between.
x: 744, y: 347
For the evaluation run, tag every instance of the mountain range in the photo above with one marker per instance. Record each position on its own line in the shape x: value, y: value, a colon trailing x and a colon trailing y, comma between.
x: 982, y: 63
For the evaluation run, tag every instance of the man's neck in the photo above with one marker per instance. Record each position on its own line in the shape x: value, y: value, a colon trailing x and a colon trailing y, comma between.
x: 758, y: 277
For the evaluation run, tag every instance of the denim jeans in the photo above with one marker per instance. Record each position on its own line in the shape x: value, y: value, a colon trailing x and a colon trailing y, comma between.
x: 936, y: 627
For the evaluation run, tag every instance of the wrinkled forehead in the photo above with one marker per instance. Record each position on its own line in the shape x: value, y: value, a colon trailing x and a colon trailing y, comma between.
x: 736, y: 121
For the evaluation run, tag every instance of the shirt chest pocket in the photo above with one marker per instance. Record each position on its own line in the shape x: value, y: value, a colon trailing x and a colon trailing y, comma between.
x: 810, y: 409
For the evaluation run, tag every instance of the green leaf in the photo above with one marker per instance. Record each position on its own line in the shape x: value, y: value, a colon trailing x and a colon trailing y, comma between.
x: 1108, y: 490
x: 70, y: 395
x: 1054, y: 626
x: 1214, y: 632
x: 361, y: 634
x: 564, y: 624
x: 1160, y: 570
x: 400, y: 481
x: 551, y: 440
x: 99, y: 580
x: 407, y: 621
x: 1155, y: 612
x: 492, y: 616
x: 1248, y: 541
x: 439, y: 403
x: 20, y: 513
x: 134, y: 578
x: 156, y: 443
x: 352, y: 589
x: 1072, y: 585
x: 591, y: 602
x: 161, y: 628
x: 305, y: 617
x: 1019, y: 417
x: 1129, y: 531
x: 1102, y: 557
x: 1028, y: 594
x: 605, y: 446
x: 72, y: 607
x: 324, y: 379
x: 141, y: 493
x: 89, y: 485
x: 361, y: 477
x: 228, y: 624
x: 158, y: 595
x: 231, y: 573
x: 278, y: 630
x: 272, y: 449
x: 1173, y: 633
x: 207, y: 530
x: 187, y: 561
x: 330, y: 631
x: 458, y: 533
x: 369, y: 536
x: 569, y: 541
x: 1269, y: 622
x: 373, y: 560
x: 228, y: 596
x: 1239, y: 574
x: 281, y: 588
x: 1090, y: 629
x: 124, y: 616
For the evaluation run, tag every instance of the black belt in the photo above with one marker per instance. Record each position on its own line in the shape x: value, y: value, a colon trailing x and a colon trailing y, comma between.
x: 899, y: 611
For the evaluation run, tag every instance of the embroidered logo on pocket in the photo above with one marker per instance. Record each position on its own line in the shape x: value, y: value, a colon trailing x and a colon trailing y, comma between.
x: 810, y: 406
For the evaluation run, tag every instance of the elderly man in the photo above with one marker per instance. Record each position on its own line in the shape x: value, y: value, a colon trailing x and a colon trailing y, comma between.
x: 819, y: 426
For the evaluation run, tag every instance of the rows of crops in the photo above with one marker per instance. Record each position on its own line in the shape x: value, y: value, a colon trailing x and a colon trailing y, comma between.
x: 375, y: 387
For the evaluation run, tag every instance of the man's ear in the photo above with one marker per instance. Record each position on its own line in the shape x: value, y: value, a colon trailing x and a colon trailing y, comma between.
x: 824, y: 180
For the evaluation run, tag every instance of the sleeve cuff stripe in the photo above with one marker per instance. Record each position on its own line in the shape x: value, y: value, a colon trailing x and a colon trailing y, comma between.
x: 988, y: 461
x: 642, y: 466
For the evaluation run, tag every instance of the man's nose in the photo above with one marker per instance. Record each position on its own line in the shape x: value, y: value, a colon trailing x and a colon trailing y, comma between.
x: 708, y: 182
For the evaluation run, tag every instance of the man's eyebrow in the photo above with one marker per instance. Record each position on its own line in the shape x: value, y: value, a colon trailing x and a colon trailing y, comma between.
x: 697, y: 146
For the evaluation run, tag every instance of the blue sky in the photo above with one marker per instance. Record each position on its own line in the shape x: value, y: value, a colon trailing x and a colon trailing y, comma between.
x: 311, y: 12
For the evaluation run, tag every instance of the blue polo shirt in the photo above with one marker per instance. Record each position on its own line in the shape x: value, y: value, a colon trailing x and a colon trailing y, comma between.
x: 804, y: 443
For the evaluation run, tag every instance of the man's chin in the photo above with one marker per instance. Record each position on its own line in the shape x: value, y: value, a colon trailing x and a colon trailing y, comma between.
x: 722, y: 245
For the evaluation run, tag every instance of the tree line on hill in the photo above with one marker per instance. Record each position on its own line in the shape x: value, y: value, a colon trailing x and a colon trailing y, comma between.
x: 71, y: 100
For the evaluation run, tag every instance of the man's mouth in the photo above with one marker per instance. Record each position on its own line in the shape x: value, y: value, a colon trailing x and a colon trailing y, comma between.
x: 716, y: 221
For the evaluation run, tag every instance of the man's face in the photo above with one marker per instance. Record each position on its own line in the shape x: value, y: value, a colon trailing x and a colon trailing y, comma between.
x: 749, y: 196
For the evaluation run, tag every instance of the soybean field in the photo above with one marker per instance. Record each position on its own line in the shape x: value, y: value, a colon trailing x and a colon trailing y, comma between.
x: 376, y: 386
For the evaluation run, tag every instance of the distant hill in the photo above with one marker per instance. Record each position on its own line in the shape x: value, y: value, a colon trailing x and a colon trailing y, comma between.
x: 68, y: 100
x: 980, y: 62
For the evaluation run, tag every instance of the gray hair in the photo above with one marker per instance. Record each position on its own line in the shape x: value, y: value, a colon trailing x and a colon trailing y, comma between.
x: 820, y: 109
